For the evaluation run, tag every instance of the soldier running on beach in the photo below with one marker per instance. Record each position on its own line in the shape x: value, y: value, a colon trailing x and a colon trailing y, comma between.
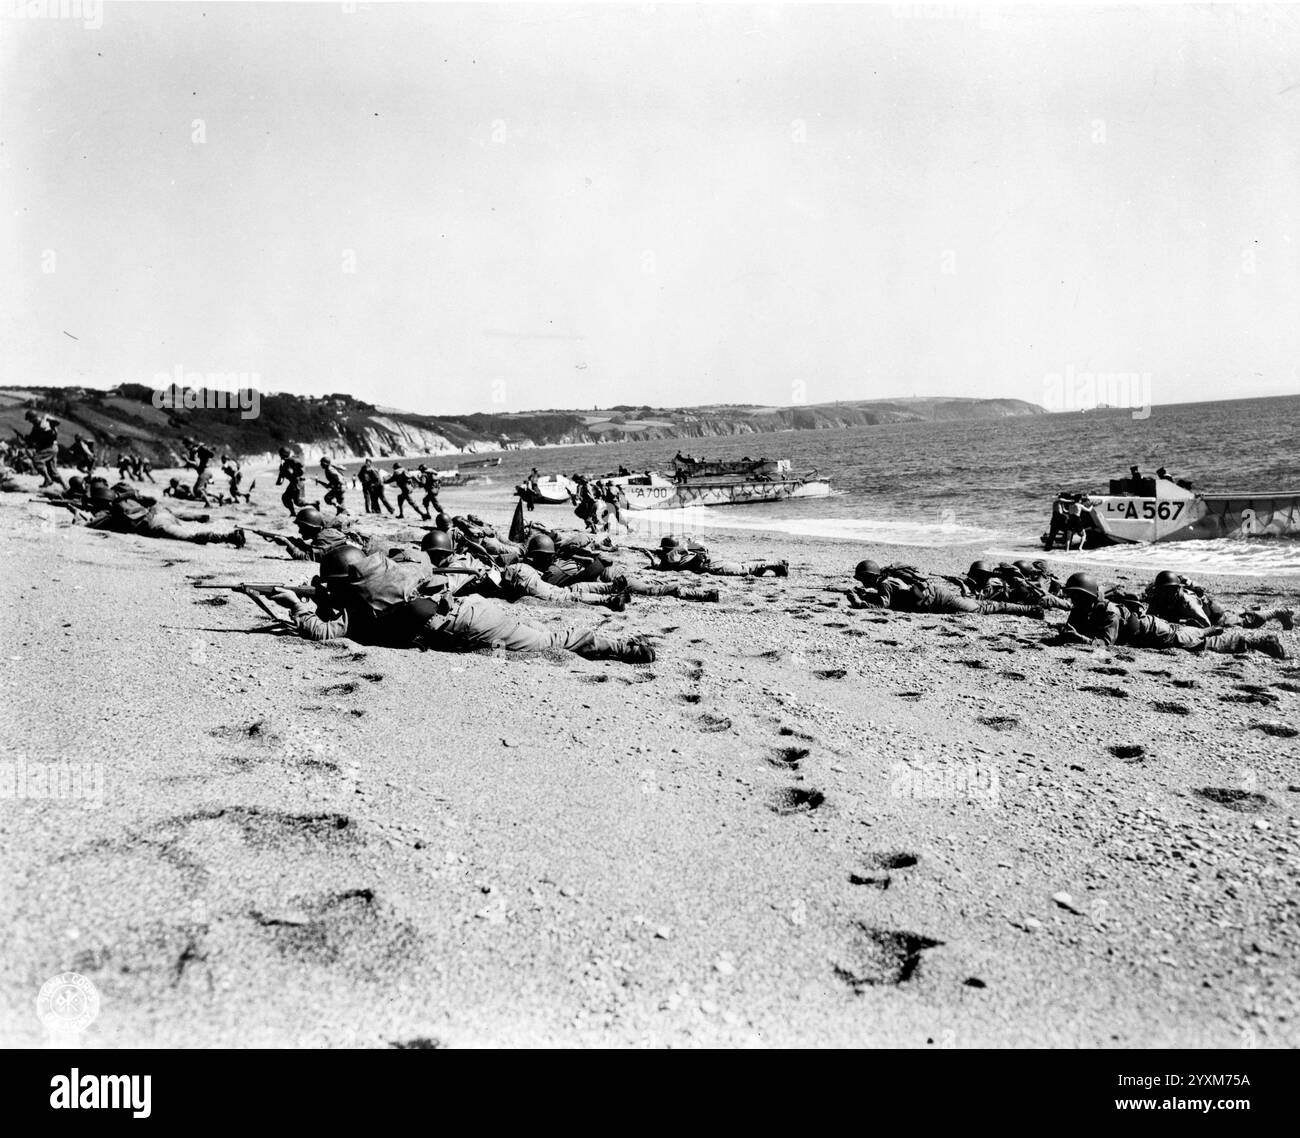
x: 1178, y: 600
x: 431, y: 483
x: 1096, y: 620
x: 42, y: 442
x: 293, y: 472
x: 902, y: 588
x: 374, y: 600
x: 402, y: 480
x: 235, y: 476
x: 333, y: 484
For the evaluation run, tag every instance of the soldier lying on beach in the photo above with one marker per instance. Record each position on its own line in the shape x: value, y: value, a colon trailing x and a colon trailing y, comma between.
x: 902, y: 588
x: 1097, y: 620
x: 1179, y: 601
x: 1007, y: 583
x: 517, y: 580
x: 316, y: 538
x: 572, y: 566
x: 374, y: 600
x: 673, y: 555
x: 127, y: 513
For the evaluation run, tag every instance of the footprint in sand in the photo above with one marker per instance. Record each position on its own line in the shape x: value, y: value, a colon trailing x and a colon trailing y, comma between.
x: 796, y: 800
x: 878, y: 868
x: 1170, y: 708
x: 598, y: 678
x: 881, y: 957
x: 913, y: 696
x: 689, y: 697
x: 1012, y: 675
x: 713, y: 723
x: 1284, y: 686
x: 694, y: 670
x: 1109, y: 671
x: 830, y: 673
x: 1242, y: 801
x: 793, y: 732
x: 1114, y: 693
x: 1000, y: 722
x: 1277, y: 730
x: 788, y: 758
x: 1250, y: 697
x: 340, y: 689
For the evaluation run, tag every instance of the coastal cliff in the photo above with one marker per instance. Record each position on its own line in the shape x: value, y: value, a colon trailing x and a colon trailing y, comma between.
x: 344, y: 428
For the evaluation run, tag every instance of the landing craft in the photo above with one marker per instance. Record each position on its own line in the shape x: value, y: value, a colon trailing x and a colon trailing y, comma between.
x: 719, y: 484
x: 1157, y: 509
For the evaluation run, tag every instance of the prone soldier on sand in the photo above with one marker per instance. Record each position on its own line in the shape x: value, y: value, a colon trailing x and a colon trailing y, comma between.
x: 1178, y: 600
x: 1008, y: 583
x: 374, y: 600
x: 570, y: 565
x: 127, y: 513
x: 1096, y: 620
x: 676, y: 556
x: 523, y: 579
x: 902, y: 588
x: 316, y: 538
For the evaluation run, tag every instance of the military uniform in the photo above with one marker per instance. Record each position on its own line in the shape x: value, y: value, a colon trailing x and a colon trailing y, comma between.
x: 385, y: 606
x: 402, y: 480
x: 1189, y: 605
x: 697, y: 560
x: 904, y: 590
x: 565, y: 572
x: 291, y: 471
x: 129, y: 515
x: 1108, y: 623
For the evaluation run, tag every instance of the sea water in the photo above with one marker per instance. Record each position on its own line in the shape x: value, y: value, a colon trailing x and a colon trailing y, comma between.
x: 987, y: 482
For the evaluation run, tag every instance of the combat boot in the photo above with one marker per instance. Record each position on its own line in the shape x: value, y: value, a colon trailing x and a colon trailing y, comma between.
x: 689, y: 593
x: 1271, y: 645
x: 1005, y: 608
x: 616, y: 603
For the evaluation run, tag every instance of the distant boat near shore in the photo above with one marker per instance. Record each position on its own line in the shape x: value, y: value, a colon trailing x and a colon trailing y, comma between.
x: 732, y: 483
x: 1145, y: 510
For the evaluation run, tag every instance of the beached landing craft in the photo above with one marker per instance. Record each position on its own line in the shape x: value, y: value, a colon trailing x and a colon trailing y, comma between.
x: 1157, y: 509
x: 719, y: 484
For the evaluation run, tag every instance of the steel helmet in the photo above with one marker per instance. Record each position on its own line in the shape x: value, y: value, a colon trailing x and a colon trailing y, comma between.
x: 1028, y: 568
x: 309, y: 518
x: 337, y: 563
x: 867, y: 570
x: 1085, y: 584
x: 979, y: 569
x: 669, y: 542
x: 1168, y: 579
x: 437, y: 541
x: 442, y: 522
x: 397, y: 466
x: 324, y: 460
x: 76, y: 485
x: 284, y: 452
x: 539, y: 545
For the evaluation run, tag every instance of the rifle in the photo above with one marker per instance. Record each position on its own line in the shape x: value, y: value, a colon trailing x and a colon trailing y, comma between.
x: 73, y: 506
x: 259, y: 590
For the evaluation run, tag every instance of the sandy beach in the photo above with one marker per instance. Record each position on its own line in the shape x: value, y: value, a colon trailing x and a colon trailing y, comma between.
x: 802, y: 825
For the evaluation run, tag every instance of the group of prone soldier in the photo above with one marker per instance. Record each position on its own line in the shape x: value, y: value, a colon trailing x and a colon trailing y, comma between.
x: 1172, y: 612
x: 459, y: 592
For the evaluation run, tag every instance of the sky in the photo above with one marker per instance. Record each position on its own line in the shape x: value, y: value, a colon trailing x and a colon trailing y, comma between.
x: 493, y: 207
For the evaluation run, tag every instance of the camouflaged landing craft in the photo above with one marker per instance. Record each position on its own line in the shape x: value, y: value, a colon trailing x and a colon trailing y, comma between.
x: 719, y: 484
x: 1157, y: 509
